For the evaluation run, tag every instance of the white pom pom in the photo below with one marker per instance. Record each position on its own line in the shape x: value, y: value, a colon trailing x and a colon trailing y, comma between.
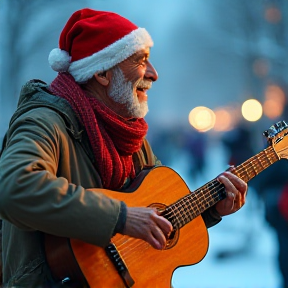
x: 59, y: 60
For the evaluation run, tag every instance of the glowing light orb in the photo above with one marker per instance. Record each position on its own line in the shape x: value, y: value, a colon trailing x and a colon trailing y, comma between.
x: 202, y: 118
x: 272, y: 108
x: 274, y: 101
x: 252, y: 110
x: 224, y: 120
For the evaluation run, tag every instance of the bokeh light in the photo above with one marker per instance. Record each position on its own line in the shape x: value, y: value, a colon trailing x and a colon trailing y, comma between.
x: 274, y: 102
x: 224, y: 119
x: 275, y: 92
x: 252, y: 110
x: 273, y: 14
x: 261, y: 67
x: 202, y: 118
x: 272, y: 109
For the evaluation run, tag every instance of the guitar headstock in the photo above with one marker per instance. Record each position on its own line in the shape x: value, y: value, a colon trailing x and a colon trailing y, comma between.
x: 277, y: 137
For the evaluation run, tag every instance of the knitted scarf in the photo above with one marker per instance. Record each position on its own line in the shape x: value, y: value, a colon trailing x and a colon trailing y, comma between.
x: 112, y: 138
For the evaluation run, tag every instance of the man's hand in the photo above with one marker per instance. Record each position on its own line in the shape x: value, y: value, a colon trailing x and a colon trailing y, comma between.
x: 147, y: 224
x: 236, y: 190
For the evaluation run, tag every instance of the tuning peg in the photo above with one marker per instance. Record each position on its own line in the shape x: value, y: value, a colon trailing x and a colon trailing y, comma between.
x: 284, y: 125
x: 266, y: 133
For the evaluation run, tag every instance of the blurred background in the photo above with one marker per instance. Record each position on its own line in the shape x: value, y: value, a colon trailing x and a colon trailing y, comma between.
x: 223, y: 76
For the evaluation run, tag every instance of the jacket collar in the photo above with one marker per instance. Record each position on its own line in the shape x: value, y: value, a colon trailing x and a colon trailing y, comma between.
x: 35, y: 94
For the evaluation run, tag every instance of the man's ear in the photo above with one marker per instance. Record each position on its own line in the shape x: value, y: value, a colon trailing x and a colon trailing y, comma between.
x: 102, y: 78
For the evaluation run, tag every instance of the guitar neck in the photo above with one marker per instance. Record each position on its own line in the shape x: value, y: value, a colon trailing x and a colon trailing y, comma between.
x: 192, y: 205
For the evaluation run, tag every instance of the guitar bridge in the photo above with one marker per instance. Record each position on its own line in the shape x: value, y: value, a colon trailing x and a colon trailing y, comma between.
x: 119, y: 264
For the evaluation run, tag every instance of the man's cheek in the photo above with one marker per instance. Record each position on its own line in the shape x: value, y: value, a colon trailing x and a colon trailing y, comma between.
x: 132, y: 73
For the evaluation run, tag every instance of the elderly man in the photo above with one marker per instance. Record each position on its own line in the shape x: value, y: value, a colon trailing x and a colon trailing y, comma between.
x: 82, y: 133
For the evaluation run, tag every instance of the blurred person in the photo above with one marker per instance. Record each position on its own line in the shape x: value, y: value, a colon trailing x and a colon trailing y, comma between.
x: 270, y: 186
x: 82, y: 133
x: 239, y: 144
x: 283, y: 202
x: 195, y: 143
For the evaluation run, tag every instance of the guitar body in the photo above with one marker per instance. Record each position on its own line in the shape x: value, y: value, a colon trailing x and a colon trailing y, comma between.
x: 147, y: 266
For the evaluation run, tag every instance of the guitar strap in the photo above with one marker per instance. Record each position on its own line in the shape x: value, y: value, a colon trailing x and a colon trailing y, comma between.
x: 145, y: 157
x: 149, y: 153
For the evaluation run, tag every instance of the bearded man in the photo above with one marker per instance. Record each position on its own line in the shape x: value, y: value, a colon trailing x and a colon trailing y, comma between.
x: 82, y: 133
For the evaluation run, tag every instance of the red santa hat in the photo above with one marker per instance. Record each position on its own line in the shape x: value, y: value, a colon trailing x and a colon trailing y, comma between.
x: 95, y: 41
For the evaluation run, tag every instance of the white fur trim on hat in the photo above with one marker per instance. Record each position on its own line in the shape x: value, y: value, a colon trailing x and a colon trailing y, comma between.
x: 83, y: 69
x: 59, y: 60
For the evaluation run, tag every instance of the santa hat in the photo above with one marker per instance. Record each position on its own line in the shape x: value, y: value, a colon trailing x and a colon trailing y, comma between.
x: 95, y: 41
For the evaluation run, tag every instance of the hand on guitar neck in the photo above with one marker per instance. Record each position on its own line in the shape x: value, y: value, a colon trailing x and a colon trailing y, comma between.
x: 236, y: 190
x: 148, y: 224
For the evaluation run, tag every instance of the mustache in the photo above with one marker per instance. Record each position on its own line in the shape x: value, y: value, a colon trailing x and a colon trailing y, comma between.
x: 144, y: 84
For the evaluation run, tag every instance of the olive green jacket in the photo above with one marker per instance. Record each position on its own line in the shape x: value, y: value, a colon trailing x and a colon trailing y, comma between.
x: 48, y: 183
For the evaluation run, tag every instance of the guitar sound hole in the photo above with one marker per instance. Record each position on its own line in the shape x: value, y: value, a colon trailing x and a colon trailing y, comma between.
x: 172, y: 239
x: 174, y: 235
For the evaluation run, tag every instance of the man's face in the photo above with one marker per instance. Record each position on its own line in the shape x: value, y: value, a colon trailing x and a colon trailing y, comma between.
x: 131, y: 79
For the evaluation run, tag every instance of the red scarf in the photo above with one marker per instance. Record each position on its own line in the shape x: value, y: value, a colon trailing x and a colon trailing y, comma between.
x: 112, y: 138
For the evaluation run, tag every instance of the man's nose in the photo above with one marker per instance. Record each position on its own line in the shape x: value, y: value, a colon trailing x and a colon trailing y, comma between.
x: 151, y: 72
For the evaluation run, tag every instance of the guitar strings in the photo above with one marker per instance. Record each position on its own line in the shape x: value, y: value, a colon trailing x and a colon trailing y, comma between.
x: 132, y: 243
x: 211, y: 197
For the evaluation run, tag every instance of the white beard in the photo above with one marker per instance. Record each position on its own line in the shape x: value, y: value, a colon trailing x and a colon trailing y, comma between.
x: 121, y: 91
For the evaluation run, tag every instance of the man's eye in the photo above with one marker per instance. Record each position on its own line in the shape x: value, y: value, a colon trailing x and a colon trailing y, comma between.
x: 141, y: 61
x: 144, y: 61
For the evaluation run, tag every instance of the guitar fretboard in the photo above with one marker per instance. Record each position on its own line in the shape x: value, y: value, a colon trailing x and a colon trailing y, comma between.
x: 192, y: 205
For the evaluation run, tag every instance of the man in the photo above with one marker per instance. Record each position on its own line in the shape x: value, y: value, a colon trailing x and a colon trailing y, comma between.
x: 82, y: 132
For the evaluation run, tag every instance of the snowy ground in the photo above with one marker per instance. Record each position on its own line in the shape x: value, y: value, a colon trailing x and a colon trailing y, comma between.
x: 243, y: 248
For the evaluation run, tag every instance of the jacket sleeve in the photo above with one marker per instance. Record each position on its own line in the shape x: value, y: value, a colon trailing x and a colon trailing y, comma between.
x: 34, y: 198
x: 211, y: 217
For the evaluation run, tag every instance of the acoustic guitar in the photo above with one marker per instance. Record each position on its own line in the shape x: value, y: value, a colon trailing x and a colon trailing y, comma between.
x: 129, y: 262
